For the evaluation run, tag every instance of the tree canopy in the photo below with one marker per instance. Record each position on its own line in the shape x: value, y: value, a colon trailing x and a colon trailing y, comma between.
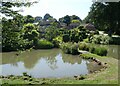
x: 68, y: 19
x: 7, y: 10
x: 105, y: 16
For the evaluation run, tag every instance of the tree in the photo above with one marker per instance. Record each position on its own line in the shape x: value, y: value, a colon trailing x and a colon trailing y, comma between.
x: 6, y: 7
x: 29, y: 19
x: 47, y: 16
x: 12, y: 38
x: 105, y: 16
x: 74, y: 17
x: 30, y: 32
x: 51, y: 32
x: 67, y: 20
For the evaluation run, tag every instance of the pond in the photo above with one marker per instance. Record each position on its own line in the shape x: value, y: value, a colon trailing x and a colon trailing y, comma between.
x: 45, y: 64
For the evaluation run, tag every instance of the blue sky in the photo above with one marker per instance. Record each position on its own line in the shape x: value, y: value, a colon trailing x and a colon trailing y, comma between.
x: 59, y: 8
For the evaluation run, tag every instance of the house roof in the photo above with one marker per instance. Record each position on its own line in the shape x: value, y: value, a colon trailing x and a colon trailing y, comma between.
x: 90, y: 26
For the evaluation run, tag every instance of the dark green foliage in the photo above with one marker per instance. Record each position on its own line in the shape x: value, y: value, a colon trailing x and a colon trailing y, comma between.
x: 74, y: 17
x: 96, y: 32
x: 77, y: 38
x: 72, y: 36
x: 80, y: 38
x: 67, y: 20
x: 34, y: 33
x: 47, y: 16
x: 74, y: 49
x: 82, y: 77
x: 84, y: 33
x: 44, y: 44
x: 91, y: 49
x: 66, y: 38
x: 80, y: 27
x: 29, y: 19
x: 105, y: 16
x: 115, y: 40
x: 12, y: 39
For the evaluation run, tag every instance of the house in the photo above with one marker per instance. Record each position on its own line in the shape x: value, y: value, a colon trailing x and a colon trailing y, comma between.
x: 90, y: 27
x: 73, y: 25
x: 63, y: 25
x: 43, y: 24
x: 37, y: 19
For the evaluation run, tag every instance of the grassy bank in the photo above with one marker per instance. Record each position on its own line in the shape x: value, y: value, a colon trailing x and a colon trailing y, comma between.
x: 106, y: 76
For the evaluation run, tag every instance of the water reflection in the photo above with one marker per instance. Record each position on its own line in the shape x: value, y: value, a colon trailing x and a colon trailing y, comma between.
x: 44, y: 63
x: 72, y: 59
x: 29, y: 58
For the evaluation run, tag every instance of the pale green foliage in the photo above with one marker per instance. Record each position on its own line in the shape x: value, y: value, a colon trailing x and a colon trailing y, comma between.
x: 75, y: 21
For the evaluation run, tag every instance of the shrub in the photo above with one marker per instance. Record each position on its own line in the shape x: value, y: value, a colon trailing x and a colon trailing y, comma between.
x: 83, y: 46
x: 80, y: 27
x: 101, y: 39
x: 100, y: 51
x: 65, y: 47
x: 76, y: 38
x: 44, y: 44
x: 91, y: 49
x: 66, y: 38
x: 97, y: 32
x: 72, y: 36
x: 86, y: 40
x: 80, y: 38
x: 34, y: 33
x: 70, y: 48
x: 57, y: 41
x: 106, y: 40
x: 96, y: 39
x: 74, y: 49
x: 115, y: 40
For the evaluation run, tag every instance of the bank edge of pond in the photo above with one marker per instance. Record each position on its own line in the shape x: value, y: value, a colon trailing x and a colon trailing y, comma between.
x: 107, y: 76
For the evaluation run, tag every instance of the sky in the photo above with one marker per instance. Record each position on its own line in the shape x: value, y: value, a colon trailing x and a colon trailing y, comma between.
x: 59, y: 8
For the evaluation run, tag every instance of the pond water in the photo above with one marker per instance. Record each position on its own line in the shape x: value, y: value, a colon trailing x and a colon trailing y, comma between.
x: 45, y: 64
x: 50, y: 63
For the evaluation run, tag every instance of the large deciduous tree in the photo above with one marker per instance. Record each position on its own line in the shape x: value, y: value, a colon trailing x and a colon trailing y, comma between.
x: 12, y: 28
x: 105, y: 16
